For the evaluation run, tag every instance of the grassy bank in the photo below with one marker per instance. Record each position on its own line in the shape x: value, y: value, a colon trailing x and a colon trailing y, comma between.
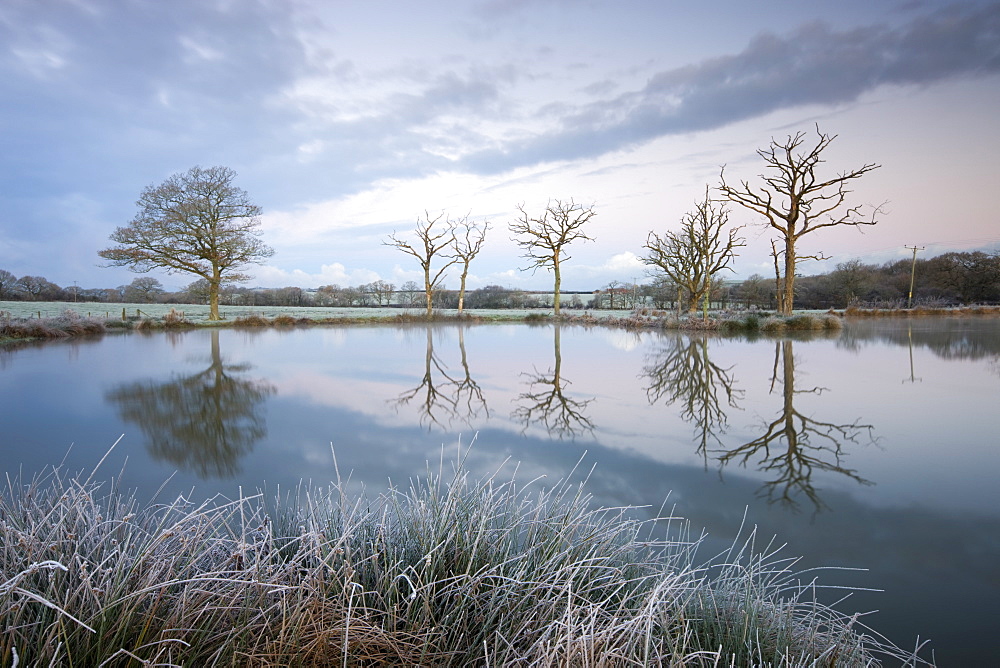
x: 727, y: 323
x: 921, y: 311
x: 449, y: 572
x: 70, y: 323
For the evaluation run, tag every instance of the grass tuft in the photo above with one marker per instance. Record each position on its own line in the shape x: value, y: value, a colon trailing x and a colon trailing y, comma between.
x: 449, y: 572
x: 251, y: 320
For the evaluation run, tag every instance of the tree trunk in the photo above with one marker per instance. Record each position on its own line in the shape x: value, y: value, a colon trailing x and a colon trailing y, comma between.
x: 786, y: 304
x: 213, y: 296
x: 461, y: 291
x: 429, y: 290
x: 555, y: 269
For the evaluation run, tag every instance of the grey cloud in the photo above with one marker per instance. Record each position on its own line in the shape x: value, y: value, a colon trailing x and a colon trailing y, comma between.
x: 142, y: 88
x: 813, y: 65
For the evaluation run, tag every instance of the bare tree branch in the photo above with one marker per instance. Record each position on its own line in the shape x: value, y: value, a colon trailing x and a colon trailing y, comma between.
x: 197, y: 222
x: 692, y: 256
x: 544, y: 239
x: 430, y: 243
x: 467, y: 241
x: 795, y: 202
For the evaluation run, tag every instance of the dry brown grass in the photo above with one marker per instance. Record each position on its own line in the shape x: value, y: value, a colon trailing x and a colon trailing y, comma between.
x: 858, y: 312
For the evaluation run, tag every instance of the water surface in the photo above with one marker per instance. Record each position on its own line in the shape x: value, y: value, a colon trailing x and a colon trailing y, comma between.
x: 874, y: 448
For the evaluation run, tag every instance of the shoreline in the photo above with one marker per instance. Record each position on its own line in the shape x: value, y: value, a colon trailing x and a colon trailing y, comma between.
x: 72, y: 324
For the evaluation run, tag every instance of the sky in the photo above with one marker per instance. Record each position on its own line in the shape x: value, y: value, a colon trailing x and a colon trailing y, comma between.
x: 347, y: 121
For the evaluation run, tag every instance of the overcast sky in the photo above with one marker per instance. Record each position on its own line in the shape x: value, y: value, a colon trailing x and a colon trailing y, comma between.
x: 345, y: 121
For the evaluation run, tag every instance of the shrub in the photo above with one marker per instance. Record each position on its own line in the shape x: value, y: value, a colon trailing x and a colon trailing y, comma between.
x: 251, y: 320
x: 175, y: 318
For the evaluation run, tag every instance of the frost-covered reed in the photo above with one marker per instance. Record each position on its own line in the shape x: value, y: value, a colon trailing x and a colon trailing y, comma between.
x: 449, y: 572
x: 66, y: 325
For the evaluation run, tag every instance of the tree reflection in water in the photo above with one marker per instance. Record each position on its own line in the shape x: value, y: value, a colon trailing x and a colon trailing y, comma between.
x: 203, y: 423
x: 682, y: 373
x: 442, y: 398
x: 792, y: 448
x: 547, y: 404
x: 801, y: 445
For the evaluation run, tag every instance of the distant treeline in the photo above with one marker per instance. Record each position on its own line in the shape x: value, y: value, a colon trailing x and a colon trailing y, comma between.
x: 944, y: 280
x: 950, y: 279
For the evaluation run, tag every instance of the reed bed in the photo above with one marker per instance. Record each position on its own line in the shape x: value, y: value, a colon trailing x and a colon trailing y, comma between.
x: 66, y: 325
x: 895, y: 312
x: 448, y: 572
x: 71, y: 324
x: 257, y: 320
x: 729, y: 323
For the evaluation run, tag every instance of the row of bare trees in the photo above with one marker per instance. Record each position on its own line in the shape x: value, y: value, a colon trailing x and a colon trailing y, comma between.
x: 451, y: 242
x: 791, y: 197
x: 200, y: 223
x: 440, y: 243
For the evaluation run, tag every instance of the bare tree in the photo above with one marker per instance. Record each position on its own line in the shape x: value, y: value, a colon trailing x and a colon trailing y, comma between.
x: 38, y: 288
x: 380, y: 291
x: 142, y: 290
x: 8, y: 283
x: 545, y: 239
x: 430, y: 243
x: 466, y: 244
x: 197, y: 291
x: 692, y: 256
x: 796, y: 201
x: 408, y: 293
x: 754, y: 291
x: 197, y: 222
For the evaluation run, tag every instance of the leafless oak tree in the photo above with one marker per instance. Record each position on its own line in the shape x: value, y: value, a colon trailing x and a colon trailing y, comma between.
x: 544, y: 239
x: 380, y: 291
x: 796, y: 201
x: 467, y: 241
x: 692, y: 256
x: 197, y: 222
x: 8, y: 283
x: 430, y: 243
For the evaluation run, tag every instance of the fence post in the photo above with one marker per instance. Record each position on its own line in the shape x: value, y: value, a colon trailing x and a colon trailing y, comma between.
x: 123, y: 314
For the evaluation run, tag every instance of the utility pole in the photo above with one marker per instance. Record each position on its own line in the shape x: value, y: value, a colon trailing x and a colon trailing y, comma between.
x: 913, y: 272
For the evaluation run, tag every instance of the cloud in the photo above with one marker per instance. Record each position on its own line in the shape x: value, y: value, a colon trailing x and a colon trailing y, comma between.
x: 812, y: 65
x: 329, y: 274
x: 623, y: 262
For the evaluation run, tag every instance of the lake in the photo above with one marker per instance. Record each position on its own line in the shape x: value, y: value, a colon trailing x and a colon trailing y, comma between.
x: 875, y: 447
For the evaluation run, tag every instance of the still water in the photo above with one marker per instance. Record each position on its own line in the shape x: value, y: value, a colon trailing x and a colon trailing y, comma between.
x: 875, y: 448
